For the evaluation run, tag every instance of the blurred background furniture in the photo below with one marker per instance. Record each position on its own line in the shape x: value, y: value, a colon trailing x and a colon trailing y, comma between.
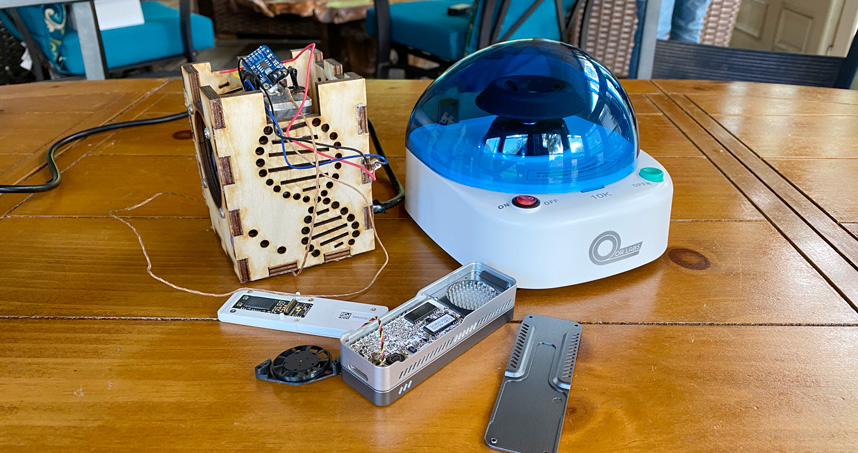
x: 241, y: 19
x: 336, y: 25
x: 677, y: 60
x: 606, y: 29
x: 87, y: 28
x: 430, y: 30
x: 165, y: 33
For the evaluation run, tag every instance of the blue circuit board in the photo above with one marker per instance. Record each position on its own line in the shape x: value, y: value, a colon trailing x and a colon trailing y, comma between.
x: 264, y: 64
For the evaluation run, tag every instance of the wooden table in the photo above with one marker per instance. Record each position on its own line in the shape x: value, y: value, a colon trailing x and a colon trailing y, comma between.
x: 744, y: 335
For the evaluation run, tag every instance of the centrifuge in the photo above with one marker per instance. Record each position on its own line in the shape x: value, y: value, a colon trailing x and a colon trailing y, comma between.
x: 525, y: 156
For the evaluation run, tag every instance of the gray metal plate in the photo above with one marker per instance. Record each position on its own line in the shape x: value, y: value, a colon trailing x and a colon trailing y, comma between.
x: 531, y: 404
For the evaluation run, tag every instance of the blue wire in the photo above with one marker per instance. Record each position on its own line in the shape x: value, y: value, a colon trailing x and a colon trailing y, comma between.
x: 283, y: 145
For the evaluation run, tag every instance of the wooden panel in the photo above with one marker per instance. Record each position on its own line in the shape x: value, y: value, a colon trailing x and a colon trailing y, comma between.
x: 720, y: 104
x: 799, y: 202
x: 166, y: 102
x: 717, y: 272
x: 32, y: 132
x: 853, y: 227
x: 642, y: 105
x: 825, y: 244
x: 57, y: 89
x: 638, y: 86
x: 173, y: 138
x: 8, y: 160
x: 98, y: 184
x: 758, y: 90
x: 33, y: 116
x: 796, y: 136
x: 104, y: 272
x: 189, y: 385
x: 66, y: 159
x: 283, y: 216
x: 830, y: 183
x: 701, y: 192
x: 720, y: 271
x: 661, y: 138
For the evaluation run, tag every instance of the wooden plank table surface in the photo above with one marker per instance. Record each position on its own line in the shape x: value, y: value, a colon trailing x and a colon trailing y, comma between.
x: 744, y: 335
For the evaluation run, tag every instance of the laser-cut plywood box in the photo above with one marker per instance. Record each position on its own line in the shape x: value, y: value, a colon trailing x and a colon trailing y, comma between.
x: 262, y: 209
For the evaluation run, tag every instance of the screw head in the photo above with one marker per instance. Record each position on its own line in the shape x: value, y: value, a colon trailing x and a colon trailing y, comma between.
x: 220, y: 211
x: 190, y: 110
x: 207, y: 134
x: 205, y: 183
x: 232, y: 311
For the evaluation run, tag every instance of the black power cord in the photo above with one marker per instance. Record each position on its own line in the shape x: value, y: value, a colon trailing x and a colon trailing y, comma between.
x: 381, y: 206
x: 52, y: 163
x: 378, y: 206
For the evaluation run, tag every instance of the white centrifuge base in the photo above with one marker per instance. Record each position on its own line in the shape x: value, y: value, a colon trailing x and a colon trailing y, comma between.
x: 569, y: 238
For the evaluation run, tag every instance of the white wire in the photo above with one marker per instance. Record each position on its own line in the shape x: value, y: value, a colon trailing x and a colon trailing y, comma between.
x: 113, y: 212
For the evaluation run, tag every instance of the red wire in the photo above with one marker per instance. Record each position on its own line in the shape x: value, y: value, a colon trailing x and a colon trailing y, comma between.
x: 312, y: 48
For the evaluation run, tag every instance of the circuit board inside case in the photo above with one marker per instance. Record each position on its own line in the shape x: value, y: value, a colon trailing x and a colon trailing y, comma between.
x: 387, y: 356
x: 407, y: 334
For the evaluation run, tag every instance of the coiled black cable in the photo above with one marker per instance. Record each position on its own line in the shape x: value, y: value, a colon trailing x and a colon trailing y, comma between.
x: 52, y: 163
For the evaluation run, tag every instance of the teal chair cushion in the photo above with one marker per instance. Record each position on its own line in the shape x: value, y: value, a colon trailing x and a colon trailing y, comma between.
x: 542, y: 23
x: 158, y: 37
x: 425, y: 25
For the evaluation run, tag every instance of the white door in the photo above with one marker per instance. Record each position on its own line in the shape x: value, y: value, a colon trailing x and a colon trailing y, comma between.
x: 820, y: 27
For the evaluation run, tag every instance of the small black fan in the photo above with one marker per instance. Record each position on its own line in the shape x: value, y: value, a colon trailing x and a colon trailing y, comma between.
x: 299, y: 365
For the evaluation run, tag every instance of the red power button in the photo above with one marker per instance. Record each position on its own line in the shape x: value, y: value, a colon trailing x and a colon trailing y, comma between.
x: 525, y: 201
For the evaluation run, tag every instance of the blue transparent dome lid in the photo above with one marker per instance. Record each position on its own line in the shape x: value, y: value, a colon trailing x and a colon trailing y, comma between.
x: 528, y: 116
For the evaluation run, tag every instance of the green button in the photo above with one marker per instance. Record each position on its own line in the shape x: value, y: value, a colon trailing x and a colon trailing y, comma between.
x: 652, y: 174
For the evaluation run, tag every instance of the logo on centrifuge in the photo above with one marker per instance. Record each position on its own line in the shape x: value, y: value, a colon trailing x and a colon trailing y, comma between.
x: 616, y: 251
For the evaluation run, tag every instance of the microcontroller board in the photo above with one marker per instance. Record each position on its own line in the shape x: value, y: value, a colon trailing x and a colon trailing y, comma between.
x: 266, y: 66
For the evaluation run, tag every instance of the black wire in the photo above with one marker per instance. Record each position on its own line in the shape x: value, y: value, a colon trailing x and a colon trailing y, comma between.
x: 52, y: 163
x: 381, y: 206
x: 323, y: 145
x: 378, y: 206
x: 256, y: 79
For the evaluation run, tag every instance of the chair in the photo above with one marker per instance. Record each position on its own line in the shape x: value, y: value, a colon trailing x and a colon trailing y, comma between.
x: 425, y: 29
x: 606, y: 29
x: 677, y: 60
x: 165, y: 33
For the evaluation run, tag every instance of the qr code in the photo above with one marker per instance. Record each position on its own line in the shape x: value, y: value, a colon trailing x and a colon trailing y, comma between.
x: 345, y: 315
